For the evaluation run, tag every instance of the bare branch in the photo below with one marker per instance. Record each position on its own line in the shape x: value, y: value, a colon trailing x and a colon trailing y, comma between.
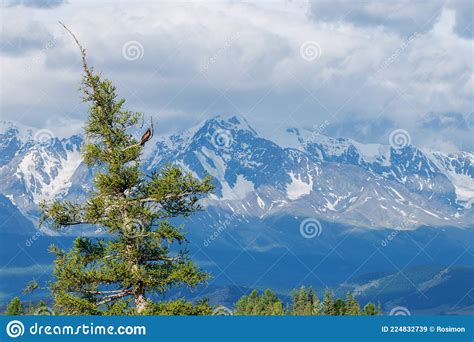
x: 83, y: 51
x: 110, y: 298
x: 167, y: 197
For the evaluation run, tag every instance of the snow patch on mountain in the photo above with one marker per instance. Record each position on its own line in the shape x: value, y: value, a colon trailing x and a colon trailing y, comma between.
x: 52, y: 178
x: 298, y: 188
x: 372, y: 153
x: 454, y: 166
x: 239, y: 191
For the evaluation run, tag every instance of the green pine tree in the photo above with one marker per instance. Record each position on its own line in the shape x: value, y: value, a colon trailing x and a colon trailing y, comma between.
x: 296, y: 302
x: 369, y: 310
x: 132, y: 207
x: 252, y: 307
x: 240, y: 307
x: 180, y: 307
x: 329, y: 308
x: 352, y: 306
x: 277, y: 308
x: 267, y: 304
x: 309, y: 309
x: 14, y: 308
x: 268, y: 301
x: 302, y: 301
x: 31, y: 309
x: 316, y: 306
x: 340, y: 307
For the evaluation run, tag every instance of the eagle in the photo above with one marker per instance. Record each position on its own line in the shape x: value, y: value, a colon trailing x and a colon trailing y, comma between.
x: 146, y: 136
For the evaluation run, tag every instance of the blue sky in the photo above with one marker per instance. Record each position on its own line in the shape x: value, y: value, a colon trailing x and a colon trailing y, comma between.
x: 366, y: 67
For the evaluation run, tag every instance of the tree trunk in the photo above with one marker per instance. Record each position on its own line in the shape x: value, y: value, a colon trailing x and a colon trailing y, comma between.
x: 140, y: 299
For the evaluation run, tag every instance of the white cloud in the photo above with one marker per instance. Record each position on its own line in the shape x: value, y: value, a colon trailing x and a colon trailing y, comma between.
x: 206, y: 58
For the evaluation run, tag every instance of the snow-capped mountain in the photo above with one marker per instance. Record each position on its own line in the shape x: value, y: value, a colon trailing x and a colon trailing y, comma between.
x: 332, y: 179
x: 35, y: 165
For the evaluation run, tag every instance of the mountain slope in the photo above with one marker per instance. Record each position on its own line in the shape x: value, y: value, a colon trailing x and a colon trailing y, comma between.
x: 332, y: 179
x: 426, y: 288
x: 12, y: 222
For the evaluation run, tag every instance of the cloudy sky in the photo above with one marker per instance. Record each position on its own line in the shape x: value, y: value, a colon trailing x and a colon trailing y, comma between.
x: 357, y: 69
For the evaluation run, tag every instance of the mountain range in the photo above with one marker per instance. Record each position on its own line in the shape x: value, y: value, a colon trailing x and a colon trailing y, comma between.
x: 332, y: 179
x: 296, y: 208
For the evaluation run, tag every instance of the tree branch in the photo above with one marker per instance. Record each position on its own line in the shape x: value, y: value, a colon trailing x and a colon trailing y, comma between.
x: 83, y: 51
x: 108, y: 299
x: 166, y: 197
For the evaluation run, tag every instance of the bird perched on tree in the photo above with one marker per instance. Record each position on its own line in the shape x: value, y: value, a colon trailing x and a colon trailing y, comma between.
x: 146, y: 136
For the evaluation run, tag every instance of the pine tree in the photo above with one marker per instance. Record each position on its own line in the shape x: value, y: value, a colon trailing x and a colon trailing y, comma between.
x: 296, y: 302
x: 302, y: 301
x: 277, y: 308
x: 316, y: 306
x: 369, y: 310
x: 352, y: 306
x: 268, y: 301
x: 132, y: 207
x: 309, y: 310
x: 266, y: 304
x: 340, y: 307
x: 14, y: 308
x: 180, y: 307
x: 31, y: 309
x: 329, y: 308
x: 241, y: 306
x: 252, y: 308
